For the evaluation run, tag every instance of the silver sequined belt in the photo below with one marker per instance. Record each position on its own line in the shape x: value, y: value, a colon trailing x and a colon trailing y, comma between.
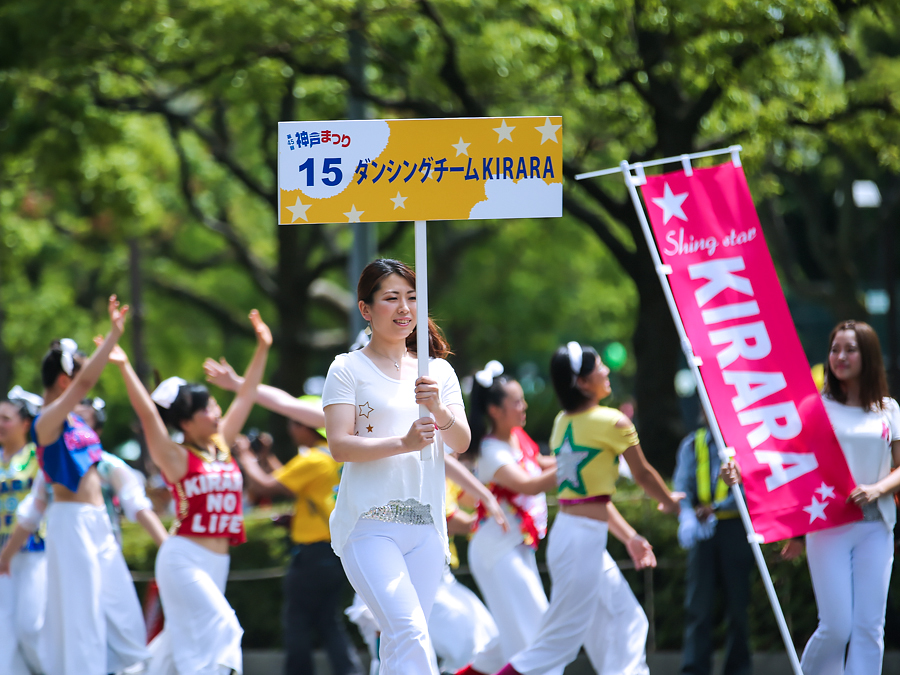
x: 408, y: 512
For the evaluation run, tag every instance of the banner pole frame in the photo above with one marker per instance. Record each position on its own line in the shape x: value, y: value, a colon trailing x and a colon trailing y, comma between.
x: 422, y: 351
x: 662, y: 271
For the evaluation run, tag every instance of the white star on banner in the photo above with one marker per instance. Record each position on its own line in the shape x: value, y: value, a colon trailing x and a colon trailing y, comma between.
x: 353, y: 215
x: 825, y: 491
x: 567, y: 461
x: 298, y: 210
x: 816, y: 510
x: 548, y: 131
x: 671, y: 204
x: 461, y: 148
x: 504, y: 132
x: 399, y: 201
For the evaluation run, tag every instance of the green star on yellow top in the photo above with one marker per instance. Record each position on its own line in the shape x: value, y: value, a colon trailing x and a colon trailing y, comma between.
x: 570, y: 460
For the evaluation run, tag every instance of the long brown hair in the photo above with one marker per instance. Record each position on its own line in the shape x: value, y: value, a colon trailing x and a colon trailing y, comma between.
x: 369, y: 284
x: 873, y: 388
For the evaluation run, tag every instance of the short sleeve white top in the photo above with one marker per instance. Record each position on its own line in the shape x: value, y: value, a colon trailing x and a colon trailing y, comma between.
x: 386, y: 407
x: 866, y: 437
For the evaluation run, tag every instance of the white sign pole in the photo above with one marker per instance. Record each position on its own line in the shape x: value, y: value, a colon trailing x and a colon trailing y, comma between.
x: 422, y: 320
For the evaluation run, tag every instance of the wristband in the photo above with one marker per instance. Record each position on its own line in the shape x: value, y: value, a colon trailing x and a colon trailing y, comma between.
x: 449, y: 424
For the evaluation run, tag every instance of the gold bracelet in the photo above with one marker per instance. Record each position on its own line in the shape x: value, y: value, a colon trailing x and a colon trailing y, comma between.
x: 450, y: 423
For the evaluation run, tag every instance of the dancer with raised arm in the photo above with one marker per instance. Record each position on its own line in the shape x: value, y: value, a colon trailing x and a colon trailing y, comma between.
x: 586, y: 439
x: 93, y: 623
x: 388, y: 525
x: 202, y: 634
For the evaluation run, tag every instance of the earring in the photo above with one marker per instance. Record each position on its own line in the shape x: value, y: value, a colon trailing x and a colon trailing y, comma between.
x: 368, y: 330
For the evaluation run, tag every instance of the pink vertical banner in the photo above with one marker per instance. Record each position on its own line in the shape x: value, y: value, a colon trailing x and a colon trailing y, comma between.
x: 755, y: 372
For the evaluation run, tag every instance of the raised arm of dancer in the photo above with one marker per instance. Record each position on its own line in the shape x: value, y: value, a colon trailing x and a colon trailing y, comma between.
x: 639, y: 549
x: 221, y: 374
x: 49, y: 425
x: 240, y: 407
x: 262, y: 483
x: 464, y: 478
x: 648, y: 477
x: 165, y: 453
x: 515, y: 478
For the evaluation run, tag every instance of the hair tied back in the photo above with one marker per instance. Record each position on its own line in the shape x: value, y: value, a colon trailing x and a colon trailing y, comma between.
x: 492, y: 369
x: 167, y: 391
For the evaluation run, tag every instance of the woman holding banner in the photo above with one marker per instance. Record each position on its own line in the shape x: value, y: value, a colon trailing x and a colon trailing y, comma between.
x: 388, y: 525
x: 850, y: 565
x: 587, y: 607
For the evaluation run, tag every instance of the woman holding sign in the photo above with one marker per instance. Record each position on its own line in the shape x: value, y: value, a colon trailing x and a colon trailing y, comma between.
x: 388, y: 525
x: 850, y: 565
x: 590, y: 603
x: 202, y: 633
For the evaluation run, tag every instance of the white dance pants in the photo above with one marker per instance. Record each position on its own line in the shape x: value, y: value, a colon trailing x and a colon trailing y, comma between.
x: 396, y: 569
x: 850, y: 568
x: 202, y: 635
x: 461, y: 627
x: 512, y: 589
x: 23, y: 597
x: 93, y: 624
x: 591, y: 604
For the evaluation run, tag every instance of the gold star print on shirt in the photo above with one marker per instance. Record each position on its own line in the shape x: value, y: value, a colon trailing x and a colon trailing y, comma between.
x: 365, y: 410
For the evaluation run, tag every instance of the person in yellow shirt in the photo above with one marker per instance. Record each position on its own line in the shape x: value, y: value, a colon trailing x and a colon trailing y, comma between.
x: 315, y: 579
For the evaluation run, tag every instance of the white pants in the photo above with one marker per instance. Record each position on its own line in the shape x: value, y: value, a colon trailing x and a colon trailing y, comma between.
x: 513, y: 591
x: 202, y: 635
x: 850, y: 568
x: 590, y: 604
x: 93, y: 624
x: 23, y: 598
x: 396, y: 569
x: 461, y: 627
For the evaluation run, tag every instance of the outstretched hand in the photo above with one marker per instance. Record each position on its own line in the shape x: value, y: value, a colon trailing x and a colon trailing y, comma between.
x: 221, y: 374
x: 117, y: 356
x: 117, y: 315
x: 673, y: 506
x: 263, y: 334
x: 492, y: 506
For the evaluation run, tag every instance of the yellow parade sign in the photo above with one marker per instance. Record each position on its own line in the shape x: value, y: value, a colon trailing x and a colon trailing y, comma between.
x: 419, y: 169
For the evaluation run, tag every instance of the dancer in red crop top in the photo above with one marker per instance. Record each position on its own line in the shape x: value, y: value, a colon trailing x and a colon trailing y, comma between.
x: 202, y: 634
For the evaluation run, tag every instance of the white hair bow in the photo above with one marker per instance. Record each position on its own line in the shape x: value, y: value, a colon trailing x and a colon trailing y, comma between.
x: 491, y: 370
x: 576, y: 357
x: 167, y: 391
x: 98, y: 403
x: 32, y: 402
x: 69, y: 349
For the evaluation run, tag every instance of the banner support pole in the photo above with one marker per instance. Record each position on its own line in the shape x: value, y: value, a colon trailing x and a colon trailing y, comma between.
x: 422, y: 355
x: 693, y: 364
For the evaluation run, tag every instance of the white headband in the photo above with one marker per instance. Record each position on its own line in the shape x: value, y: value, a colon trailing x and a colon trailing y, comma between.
x: 32, y: 402
x: 491, y: 370
x: 167, y: 391
x: 69, y: 349
x: 576, y: 356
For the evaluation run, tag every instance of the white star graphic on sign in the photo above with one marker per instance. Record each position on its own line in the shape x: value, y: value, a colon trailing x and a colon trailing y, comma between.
x: 825, y: 491
x: 816, y: 510
x: 461, y: 148
x: 548, y: 131
x: 298, y: 210
x: 353, y: 215
x: 399, y: 201
x: 671, y: 204
x: 504, y: 132
x: 567, y: 461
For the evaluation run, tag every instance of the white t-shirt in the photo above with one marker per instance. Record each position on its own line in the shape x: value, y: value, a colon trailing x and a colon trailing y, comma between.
x: 866, y: 437
x: 385, y: 408
x: 490, y: 542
